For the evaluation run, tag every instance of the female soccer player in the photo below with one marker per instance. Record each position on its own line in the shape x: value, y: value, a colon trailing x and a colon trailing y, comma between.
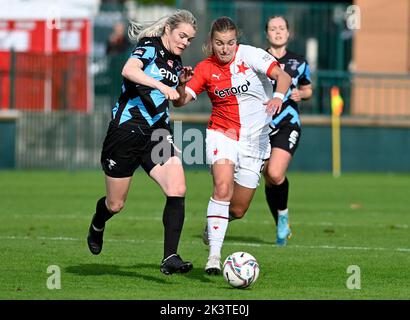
x: 236, y: 79
x: 140, y: 134
x: 284, y: 138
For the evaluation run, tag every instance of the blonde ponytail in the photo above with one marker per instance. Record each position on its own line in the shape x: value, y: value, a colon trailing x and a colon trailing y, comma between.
x: 137, y: 31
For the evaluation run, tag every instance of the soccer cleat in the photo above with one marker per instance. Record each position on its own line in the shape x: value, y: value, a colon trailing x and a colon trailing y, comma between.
x: 205, y: 236
x: 213, y: 266
x: 95, y: 239
x: 284, y: 232
x: 174, y: 264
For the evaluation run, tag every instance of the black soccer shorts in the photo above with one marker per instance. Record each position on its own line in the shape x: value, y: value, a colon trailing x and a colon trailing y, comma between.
x: 285, y: 136
x: 124, y: 151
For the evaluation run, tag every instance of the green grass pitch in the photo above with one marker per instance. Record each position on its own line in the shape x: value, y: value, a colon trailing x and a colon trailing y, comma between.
x: 357, y: 219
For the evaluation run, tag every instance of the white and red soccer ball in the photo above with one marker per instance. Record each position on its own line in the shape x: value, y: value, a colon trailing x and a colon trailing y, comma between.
x: 240, y: 269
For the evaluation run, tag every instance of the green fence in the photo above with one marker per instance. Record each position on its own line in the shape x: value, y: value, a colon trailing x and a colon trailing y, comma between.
x: 70, y: 140
x: 324, y: 22
x: 8, y: 120
x: 376, y: 95
x: 73, y: 141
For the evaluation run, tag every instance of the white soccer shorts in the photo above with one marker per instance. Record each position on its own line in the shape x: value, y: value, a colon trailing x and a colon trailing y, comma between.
x: 247, y: 169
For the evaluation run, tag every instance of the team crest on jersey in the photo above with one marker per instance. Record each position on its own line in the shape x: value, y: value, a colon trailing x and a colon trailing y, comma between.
x: 294, y: 64
x: 267, y: 57
x: 232, y: 91
x: 242, y: 68
x: 139, y: 51
x: 170, y: 63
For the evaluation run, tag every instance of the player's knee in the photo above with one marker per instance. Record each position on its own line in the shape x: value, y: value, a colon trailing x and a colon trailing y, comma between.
x: 177, y: 190
x: 115, y: 206
x: 237, y: 212
x: 275, y: 176
x: 223, y: 191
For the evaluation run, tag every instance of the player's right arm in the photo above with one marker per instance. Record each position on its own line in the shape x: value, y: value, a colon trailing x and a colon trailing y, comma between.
x: 184, y: 96
x: 132, y: 71
x: 188, y: 90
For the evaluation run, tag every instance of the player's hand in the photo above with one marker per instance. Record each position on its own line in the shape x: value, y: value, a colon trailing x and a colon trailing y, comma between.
x: 273, y: 106
x: 295, y: 95
x: 169, y: 93
x: 186, y: 75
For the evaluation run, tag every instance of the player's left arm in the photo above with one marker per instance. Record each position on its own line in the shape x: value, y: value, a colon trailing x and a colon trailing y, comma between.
x: 304, y: 90
x: 302, y: 93
x: 263, y: 62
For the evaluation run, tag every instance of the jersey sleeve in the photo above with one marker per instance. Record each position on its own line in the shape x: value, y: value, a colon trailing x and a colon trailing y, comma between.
x: 144, y: 53
x: 198, y: 82
x: 260, y: 60
x: 305, y: 78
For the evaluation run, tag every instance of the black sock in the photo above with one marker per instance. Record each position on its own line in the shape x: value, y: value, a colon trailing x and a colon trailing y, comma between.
x: 173, y: 220
x: 270, y: 199
x: 277, y: 197
x: 101, y: 214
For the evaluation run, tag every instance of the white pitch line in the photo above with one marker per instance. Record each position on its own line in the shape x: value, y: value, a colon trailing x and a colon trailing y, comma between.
x: 323, y: 247
x: 270, y: 221
x: 246, y: 244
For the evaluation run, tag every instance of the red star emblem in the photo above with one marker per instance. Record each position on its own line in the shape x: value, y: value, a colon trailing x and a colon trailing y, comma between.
x: 242, y: 68
x: 215, y: 151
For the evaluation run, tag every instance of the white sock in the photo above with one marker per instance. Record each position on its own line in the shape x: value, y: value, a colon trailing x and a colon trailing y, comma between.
x: 218, y: 217
x: 282, y: 212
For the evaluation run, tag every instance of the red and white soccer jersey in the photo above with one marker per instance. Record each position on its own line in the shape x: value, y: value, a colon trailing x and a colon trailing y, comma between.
x: 237, y: 91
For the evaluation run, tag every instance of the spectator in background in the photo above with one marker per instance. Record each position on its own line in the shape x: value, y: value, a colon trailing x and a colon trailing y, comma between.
x: 118, y: 41
x: 284, y: 138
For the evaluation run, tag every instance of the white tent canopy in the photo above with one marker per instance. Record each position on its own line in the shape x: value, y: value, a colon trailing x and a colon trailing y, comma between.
x: 48, y: 9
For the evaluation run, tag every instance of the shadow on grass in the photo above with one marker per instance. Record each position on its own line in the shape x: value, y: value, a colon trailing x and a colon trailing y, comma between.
x: 94, y: 269
x: 129, y: 271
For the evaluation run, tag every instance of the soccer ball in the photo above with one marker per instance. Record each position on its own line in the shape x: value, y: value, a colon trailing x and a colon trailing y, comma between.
x: 240, y: 269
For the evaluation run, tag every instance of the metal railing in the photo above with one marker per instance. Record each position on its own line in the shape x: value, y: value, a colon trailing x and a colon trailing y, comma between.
x: 60, y: 139
x: 45, y: 82
x: 73, y: 140
x: 377, y: 95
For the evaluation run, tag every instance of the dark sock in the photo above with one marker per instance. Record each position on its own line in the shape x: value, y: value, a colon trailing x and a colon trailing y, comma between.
x: 102, y: 214
x: 270, y: 199
x: 173, y: 220
x: 277, y: 197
